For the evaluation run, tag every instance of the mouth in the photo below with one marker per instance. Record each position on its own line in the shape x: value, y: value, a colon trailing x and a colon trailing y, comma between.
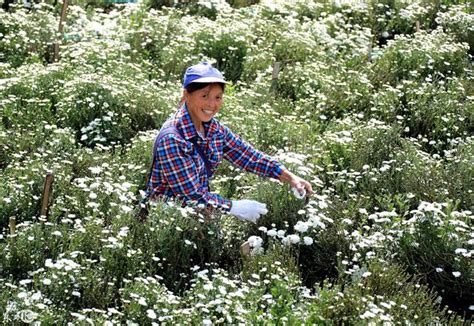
x: 209, y: 112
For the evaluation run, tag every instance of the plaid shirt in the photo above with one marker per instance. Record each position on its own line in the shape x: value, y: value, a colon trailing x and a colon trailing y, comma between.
x: 179, y: 171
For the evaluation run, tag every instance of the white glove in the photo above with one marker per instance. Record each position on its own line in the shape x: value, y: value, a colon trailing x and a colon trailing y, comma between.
x: 248, y: 210
x: 298, y: 194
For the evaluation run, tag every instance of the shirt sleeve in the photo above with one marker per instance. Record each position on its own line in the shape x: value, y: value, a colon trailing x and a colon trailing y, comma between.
x: 181, y: 175
x: 242, y: 154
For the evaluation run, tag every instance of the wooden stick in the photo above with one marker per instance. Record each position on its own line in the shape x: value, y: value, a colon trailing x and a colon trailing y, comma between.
x: 245, y: 250
x: 417, y: 26
x: 60, y: 30
x: 275, y: 73
x: 12, y: 224
x: 369, y: 50
x: 46, y: 194
x: 276, y: 70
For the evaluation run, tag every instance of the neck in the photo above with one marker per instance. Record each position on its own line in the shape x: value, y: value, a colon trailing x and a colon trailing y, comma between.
x: 200, y: 129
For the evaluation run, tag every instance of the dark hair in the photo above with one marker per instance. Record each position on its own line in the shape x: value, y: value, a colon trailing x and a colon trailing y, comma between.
x: 197, y: 86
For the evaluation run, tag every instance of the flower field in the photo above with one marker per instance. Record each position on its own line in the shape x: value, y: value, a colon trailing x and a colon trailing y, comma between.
x: 372, y: 102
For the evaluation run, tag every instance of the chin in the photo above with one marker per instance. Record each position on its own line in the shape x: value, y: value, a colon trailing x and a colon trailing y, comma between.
x: 207, y: 118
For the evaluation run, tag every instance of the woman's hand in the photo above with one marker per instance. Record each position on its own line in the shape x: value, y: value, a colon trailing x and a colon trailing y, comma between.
x: 301, y: 185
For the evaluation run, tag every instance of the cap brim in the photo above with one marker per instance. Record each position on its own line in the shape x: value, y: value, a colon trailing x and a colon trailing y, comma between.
x: 209, y: 80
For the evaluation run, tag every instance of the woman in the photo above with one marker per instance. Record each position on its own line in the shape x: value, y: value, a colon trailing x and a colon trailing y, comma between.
x: 193, y: 143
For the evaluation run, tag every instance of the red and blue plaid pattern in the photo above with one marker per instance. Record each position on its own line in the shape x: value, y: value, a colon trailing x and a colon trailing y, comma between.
x: 178, y: 170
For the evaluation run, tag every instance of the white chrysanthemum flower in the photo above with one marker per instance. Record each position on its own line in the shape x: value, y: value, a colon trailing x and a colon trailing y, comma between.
x: 294, y: 238
x: 272, y: 233
x: 308, y: 241
x: 151, y: 314
x: 301, y: 226
x: 281, y: 233
x: 208, y: 286
x: 123, y: 231
x: 126, y: 186
x: 25, y: 282
x: 460, y: 251
x: 93, y: 169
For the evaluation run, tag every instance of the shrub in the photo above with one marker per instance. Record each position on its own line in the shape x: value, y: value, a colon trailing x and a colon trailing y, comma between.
x: 459, y: 172
x: 433, y: 56
x: 179, y: 241
x: 142, y: 294
x: 242, y: 3
x: 458, y: 21
x: 107, y: 112
x: 437, y: 249
x: 409, y: 173
x: 438, y: 113
x: 375, y: 133
x: 27, y: 37
x: 373, y: 145
x: 326, y: 91
x: 31, y: 97
x: 227, y: 51
x: 34, y: 239
x: 24, y: 180
x: 378, y: 293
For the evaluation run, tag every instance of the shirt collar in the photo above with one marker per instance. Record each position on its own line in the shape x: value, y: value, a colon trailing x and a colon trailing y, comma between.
x: 188, y: 128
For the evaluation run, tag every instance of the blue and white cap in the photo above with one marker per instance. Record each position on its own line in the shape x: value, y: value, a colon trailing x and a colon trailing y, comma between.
x: 203, y: 72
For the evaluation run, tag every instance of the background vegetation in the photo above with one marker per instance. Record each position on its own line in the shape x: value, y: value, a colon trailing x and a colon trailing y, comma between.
x: 374, y: 104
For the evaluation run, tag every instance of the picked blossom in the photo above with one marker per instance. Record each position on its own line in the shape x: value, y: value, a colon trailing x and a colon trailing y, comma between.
x: 255, y: 241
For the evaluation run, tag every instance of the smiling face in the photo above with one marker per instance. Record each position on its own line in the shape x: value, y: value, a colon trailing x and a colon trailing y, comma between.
x: 203, y: 104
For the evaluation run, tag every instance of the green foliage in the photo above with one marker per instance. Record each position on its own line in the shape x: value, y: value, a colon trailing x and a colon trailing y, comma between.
x: 372, y: 294
x: 415, y: 58
x: 458, y: 21
x: 430, y: 251
x: 460, y: 172
x: 377, y: 116
x: 228, y: 52
x: 141, y: 294
x: 439, y: 113
x: 374, y: 145
x: 27, y: 37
